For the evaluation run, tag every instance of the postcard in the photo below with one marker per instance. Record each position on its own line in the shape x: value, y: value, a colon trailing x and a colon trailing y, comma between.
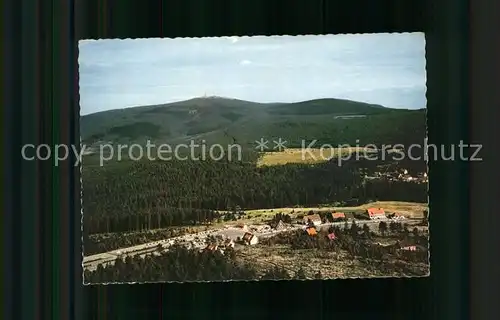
x: 254, y: 158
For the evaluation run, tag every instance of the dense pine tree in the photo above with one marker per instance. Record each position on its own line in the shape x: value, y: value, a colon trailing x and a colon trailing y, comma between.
x: 144, y: 195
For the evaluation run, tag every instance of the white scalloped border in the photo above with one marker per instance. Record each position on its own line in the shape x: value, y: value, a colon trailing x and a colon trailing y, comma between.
x: 428, y: 169
x: 82, y: 243
x: 254, y: 36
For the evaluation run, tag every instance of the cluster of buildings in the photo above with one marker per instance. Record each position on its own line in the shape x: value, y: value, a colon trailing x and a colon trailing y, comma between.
x: 369, y: 214
x: 419, y: 178
x: 311, y: 222
x: 239, y: 234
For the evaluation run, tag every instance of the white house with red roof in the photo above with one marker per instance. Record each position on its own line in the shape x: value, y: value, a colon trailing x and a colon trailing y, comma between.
x: 375, y: 213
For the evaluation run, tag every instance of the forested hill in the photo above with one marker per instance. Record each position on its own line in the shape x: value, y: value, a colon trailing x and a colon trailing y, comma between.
x: 222, y: 120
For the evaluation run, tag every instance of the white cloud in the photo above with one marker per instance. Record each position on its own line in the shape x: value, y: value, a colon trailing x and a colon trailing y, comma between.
x: 245, y: 62
x: 233, y: 39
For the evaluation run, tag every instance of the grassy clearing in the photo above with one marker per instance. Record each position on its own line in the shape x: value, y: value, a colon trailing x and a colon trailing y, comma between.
x: 315, y: 155
x: 409, y: 209
x: 331, y: 264
x: 297, y: 156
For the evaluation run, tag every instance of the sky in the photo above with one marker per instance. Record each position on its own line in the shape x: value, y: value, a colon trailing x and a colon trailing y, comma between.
x: 386, y: 69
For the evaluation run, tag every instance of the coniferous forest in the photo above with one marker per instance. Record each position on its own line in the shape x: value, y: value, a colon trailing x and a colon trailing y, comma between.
x: 123, y: 200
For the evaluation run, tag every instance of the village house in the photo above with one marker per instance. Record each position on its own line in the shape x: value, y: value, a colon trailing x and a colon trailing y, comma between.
x: 279, y: 226
x: 332, y: 236
x: 314, y: 218
x: 250, y: 239
x: 422, y: 177
x: 311, y: 231
x: 349, y: 215
x: 375, y: 213
x: 397, y: 216
x: 228, y: 243
x: 410, y: 246
x: 416, y: 247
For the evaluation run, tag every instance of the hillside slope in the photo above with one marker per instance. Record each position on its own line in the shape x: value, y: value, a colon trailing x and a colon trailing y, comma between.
x: 222, y: 120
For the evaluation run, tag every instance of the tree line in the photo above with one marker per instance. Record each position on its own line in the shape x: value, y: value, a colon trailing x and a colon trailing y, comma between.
x: 180, y: 264
x: 144, y: 195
